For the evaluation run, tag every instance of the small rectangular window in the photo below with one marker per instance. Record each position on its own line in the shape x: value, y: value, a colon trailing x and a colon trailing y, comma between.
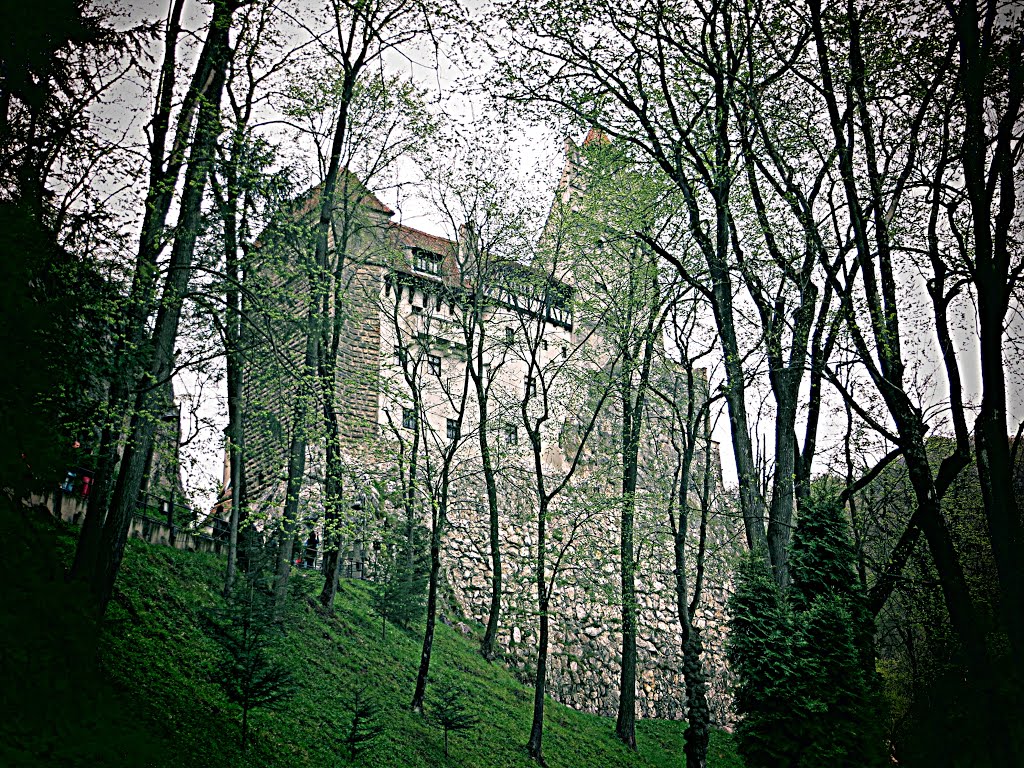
x: 425, y: 261
x: 453, y: 429
x: 544, y: 344
x: 435, y: 364
x: 409, y: 418
x: 510, y: 336
x: 400, y: 354
x: 564, y: 352
x: 531, y: 386
x: 511, y: 434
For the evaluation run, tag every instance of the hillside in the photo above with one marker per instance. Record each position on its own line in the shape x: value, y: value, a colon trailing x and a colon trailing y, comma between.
x: 152, y: 699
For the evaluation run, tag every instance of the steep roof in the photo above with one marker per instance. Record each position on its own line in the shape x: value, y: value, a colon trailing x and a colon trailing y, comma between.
x: 596, y: 135
x: 416, y: 238
x: 358, y: 191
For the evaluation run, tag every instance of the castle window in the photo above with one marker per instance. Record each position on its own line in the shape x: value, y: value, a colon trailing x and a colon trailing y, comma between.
x: 425, y: 261
x: 435, y: 364
x: 531, y: 386
x: 409, y: 418
x: 510, y: 336
x: 511, y: 434
x: 453, y: 429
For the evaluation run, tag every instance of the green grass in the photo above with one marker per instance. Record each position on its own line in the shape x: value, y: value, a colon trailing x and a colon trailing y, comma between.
x: 150, y: 699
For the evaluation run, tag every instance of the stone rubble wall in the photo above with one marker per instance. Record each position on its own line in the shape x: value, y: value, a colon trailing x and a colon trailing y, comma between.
x: 584, y: 661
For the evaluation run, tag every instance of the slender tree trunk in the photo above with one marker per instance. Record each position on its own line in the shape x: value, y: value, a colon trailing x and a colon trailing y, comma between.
x: 991, y: 171
x: 698, y: 714
x: 535, y: 745
x: 132, y: 341
x: 317, y: 288
x: 334, y: 493
x: 232, y: 355
x: 475, y: 338
x: 334, y: 487
x: 625, y: 722
x: 296, y: 472
x: 96, y: 508
x: 428, y: 632
x: 234, y: 375
x: 780, y: 515
x: 487, y: 645
x: 115, y: 530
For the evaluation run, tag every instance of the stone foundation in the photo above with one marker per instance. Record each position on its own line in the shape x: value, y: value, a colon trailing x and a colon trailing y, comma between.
x: 584, y: 661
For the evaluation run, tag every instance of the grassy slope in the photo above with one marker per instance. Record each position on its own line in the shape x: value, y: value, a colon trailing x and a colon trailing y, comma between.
x: 152, y: 702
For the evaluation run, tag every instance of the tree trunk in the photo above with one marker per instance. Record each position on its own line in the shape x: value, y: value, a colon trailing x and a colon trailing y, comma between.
x: 428, y: 632
x: 88, y: 546
x: 625, y: 722
x: 985, y: 163
x: 698, y: 714
x: 132, y: 340
x: 290, y: 516
x: 232, y: 355
x: 780, y: 517
x: 234, y: 374
x: 535, y: 745
x: 115, y: 530
x: 487, y: 645
x: 333, y: 493
x: 317, y: 289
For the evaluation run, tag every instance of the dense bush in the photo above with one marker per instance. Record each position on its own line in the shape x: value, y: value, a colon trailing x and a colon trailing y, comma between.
x: 806, y: 694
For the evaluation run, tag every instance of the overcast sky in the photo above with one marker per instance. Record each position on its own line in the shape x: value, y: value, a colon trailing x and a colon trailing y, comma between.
x: 538, y: 152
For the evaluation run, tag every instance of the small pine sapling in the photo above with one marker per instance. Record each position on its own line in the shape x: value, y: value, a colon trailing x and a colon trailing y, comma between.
x: 450, y: 712
x: 363, y: 727
x: 248, y: 673
x: 398, y: 597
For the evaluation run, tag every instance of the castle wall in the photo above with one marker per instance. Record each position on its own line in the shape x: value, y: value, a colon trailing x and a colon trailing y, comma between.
x: 584, y: 660
x: 418, y: 316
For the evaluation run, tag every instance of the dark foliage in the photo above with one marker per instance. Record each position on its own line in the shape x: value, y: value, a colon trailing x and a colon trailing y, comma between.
x: 759, y: 653
x: 249, y: 674
x: 450, y: 712
x: 939, y: 714
x: 399, y: 592
x: 52, y: 336
x: 806, y: 693
x: 363, y: 728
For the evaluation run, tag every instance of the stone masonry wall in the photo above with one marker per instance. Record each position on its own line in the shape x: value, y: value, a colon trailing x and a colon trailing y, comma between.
x: 585, y: 637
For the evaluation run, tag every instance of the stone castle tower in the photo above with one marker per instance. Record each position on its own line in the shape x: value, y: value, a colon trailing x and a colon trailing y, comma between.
x: 402, y: 383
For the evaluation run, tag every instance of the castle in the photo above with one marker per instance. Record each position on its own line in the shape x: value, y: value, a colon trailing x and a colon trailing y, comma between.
x: 410, y: 417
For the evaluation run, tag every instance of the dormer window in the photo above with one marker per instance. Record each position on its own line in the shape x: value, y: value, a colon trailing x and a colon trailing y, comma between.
x: 426, y: 261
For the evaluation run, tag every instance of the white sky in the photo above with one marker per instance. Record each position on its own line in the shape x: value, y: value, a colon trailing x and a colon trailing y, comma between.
x: 534, y: 147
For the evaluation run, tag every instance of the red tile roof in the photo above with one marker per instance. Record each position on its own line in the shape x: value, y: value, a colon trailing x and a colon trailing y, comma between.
x: 415, y: 238
x: 347, y: 179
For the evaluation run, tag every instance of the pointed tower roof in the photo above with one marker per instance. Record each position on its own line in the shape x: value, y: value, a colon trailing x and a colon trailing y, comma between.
x: 596, y: 135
